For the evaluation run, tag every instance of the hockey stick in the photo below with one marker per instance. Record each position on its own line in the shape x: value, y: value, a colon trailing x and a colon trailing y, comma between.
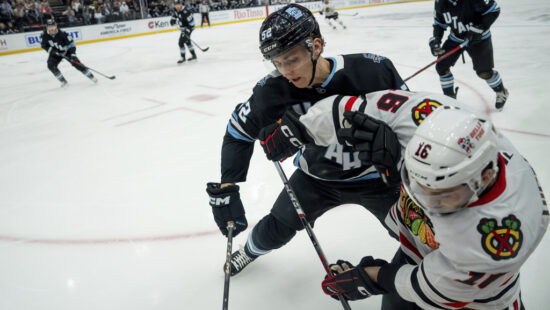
x: 449, y: 53
x: 202, y: 49
x: 308, y: 228
x: 80, y: 64
x: 354, y: 14
x: 230, y: 228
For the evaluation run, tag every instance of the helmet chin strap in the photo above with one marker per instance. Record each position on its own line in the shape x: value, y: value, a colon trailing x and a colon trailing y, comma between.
x: 314, y: 62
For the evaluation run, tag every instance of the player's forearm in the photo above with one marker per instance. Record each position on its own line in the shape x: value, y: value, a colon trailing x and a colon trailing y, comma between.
x: 235, y: 160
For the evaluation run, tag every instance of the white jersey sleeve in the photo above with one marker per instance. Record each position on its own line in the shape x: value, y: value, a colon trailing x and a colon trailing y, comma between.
x: 402, y: 110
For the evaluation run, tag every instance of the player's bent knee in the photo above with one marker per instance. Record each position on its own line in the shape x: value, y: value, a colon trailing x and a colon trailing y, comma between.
x: 485, y: 74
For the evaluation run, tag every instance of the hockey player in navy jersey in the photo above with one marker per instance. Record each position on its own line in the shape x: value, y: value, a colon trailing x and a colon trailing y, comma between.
x: 468, y: 20
x: 326, y: 176
x: 471, y: 209
x: 183, y: 18
x: 58, y: 44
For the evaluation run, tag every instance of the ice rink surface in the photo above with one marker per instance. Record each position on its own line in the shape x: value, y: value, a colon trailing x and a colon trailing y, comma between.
x: 102, y: 201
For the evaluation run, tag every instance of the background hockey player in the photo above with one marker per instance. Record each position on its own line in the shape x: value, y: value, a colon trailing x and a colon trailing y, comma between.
x: 330, y: 12
x: 469, y: 20
x: 183, y: 17
x: 58, y: 44
x: 471, y: 210
x: 326, y: 176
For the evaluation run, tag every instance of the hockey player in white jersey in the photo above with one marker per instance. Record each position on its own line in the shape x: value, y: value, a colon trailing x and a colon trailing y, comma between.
x: 330, y: 12
x: 471, y: 210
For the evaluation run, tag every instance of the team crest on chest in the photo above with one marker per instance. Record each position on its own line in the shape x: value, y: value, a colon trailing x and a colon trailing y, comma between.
x: 417, y: 222
x: 501, y: 242
x: 423, y: 109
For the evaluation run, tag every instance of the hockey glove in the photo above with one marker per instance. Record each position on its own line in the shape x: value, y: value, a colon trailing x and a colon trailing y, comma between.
x: 435, y: 46
x: 474, y: 34
x: 376, y: 143
x: 351, y: 282
x: 227, y: 206
x: 284, y: 138
x: 172, y: 22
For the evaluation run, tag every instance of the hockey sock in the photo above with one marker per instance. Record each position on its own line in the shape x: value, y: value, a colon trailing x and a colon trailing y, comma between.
x: 251, y: 249
x: 447, y: 84
x: 58, y: 75
x: 182, y: 51
x: 495, y: 82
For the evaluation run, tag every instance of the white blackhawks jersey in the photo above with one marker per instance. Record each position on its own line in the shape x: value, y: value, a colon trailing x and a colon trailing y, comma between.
x: 467, y: 259
x: 328, y: 9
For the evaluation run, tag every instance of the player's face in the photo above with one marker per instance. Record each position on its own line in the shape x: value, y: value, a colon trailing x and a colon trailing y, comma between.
x: 52, y: 29
x: 295, y: 65
x: 437, y: 201
x: 178, y: 6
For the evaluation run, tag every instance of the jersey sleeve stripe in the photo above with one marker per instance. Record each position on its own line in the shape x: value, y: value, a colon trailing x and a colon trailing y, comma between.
x: 432, y: 287
x: 336, y: 117
x: 493, y: 8
x: 235, y: 124
x: 419, y: 292
x: 236, y: 134
x: 350, y: 103
x: 442, y: 25
x: 499, y: 295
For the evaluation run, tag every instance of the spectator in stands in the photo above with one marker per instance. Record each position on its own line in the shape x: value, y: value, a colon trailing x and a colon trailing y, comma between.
x: 106, y: 12
x: 69, y: 14
x: 46, y: 10
x: 98, y: 16
x: 124, y: 10
x: 6, y: 8
x: 204, y: 8
x: 19, y: 16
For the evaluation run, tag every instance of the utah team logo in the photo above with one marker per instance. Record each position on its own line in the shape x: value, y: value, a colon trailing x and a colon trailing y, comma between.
x: 501, y: 242
x: 423, y: 109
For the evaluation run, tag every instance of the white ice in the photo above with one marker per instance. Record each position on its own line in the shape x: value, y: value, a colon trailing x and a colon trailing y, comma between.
x: 102, y: 201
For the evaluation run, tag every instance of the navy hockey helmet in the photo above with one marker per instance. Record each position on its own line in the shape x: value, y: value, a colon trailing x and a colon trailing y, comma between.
x: 286, y: 28
x: 51, y: 22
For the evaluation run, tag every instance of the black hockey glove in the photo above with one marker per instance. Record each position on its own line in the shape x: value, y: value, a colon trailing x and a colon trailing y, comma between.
x: 435, y: 46
x: 351, y: 282
x: 284, y: 138
x: 172, y: 22
x: 474, y: 34
x: 186, y: 32
x: 227, y: 206
x: 376, y: 143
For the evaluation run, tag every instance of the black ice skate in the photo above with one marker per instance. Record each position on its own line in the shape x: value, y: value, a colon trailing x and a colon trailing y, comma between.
x: 182, y: 60
x: 193, y: 56
x: 63, y: 82
x: 501, y: 99
x: 239, y: 260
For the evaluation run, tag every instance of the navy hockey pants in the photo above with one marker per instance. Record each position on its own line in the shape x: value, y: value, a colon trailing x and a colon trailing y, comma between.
x: 317, y: 197
x: 481, y: 53
x: 54, y: 60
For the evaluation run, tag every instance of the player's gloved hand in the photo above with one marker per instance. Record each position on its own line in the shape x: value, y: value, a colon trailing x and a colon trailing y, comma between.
x: 284, y: 138
x: 71, y: 52
x: 351, y: 282
x: 376, y: 143
x: 435, y: 46
x: 474, y: 33
x: 172, y: 22
x: 227, y: 206
x: 186, y: 32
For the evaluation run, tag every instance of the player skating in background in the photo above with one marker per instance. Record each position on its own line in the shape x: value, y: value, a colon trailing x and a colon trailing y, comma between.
x: 469, y: 20
x: 58, y: 44
x: 330, y: 12
x: 183, y: 17
x: 326, y: 176
x: 471, y: 210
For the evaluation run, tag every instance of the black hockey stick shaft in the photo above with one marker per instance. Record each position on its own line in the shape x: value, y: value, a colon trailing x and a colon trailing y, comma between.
x: 82, y: 65
x: 449, y: 53
x: 202, y: 49
x: 308, y: 228
x: 230, y: 228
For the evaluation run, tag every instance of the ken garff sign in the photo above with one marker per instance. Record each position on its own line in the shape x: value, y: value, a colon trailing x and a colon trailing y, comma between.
x: 33, y: 39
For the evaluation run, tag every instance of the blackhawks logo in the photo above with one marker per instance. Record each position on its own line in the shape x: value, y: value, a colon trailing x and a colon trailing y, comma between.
x: 418, y: 223
x: 423, y: 109
x: 501, y: 242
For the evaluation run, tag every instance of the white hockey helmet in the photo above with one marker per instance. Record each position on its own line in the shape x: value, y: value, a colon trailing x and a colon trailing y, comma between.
x: 445, y: 158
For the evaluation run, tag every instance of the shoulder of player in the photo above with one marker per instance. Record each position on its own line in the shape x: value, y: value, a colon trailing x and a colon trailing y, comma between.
x: 268, y: 92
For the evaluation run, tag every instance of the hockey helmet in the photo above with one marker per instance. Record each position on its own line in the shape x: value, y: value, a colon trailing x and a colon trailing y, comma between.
x: 50, y: 23
x: 445, y: 158
x: 286, y: 28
